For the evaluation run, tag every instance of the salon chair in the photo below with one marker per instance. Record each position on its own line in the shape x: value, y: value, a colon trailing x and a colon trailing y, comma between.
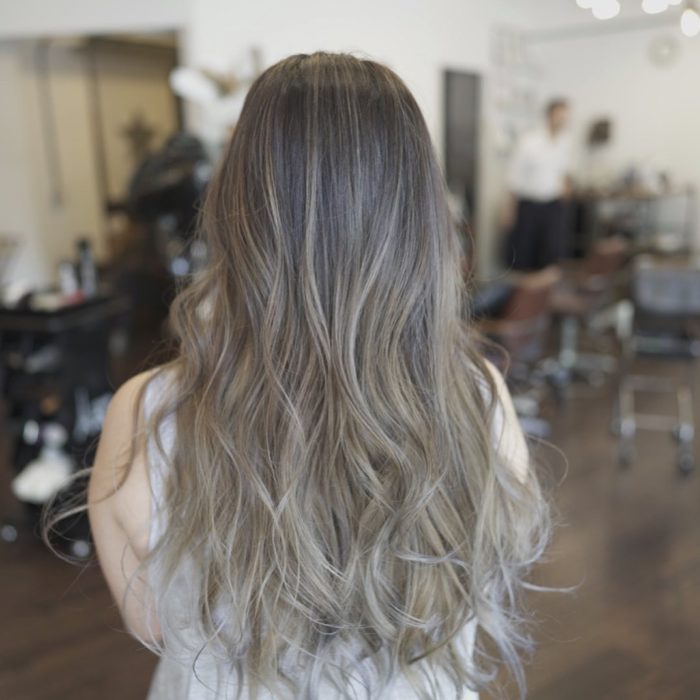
x: 666, y: 297
x: 522, y: 330
x: 589, y: 298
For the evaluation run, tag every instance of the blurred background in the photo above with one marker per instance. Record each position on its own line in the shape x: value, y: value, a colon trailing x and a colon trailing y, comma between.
x: 568, y: 132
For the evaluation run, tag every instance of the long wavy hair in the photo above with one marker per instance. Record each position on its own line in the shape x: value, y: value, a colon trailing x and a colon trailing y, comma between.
x: 334, y: 477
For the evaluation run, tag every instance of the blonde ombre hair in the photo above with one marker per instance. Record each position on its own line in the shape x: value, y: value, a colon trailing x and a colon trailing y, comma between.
x: 333, y: 476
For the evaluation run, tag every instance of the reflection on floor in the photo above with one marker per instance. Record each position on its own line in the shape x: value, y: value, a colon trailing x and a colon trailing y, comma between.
x: 631, y: 539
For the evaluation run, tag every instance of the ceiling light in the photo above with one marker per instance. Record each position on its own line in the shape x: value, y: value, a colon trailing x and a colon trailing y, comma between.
x: 690, y: 21
x: 585, y: 4
x: 653, y: 7
x: 606, y: 9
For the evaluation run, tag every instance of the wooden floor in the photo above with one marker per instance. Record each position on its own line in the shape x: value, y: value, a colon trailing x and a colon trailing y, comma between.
x: 630, y: 541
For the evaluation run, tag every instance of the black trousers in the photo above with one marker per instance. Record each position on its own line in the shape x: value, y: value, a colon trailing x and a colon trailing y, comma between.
x: 539, y: 237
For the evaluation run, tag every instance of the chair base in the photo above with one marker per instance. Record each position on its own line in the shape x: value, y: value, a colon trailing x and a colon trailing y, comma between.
x: 627, y: 421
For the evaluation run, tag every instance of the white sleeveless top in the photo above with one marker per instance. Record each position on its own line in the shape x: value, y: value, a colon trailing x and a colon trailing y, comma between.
x: 187, y: 671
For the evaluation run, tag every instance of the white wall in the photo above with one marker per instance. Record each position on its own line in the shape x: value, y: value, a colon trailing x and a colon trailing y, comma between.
x: 655, y: 109
x: 417, y: 38
x: 33, y: 18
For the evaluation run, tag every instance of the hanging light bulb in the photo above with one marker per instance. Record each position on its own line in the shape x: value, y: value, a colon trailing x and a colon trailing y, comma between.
x: 690, y: 21
x: 653, y: 7
x: 606, y: 9
x: 585, y: 4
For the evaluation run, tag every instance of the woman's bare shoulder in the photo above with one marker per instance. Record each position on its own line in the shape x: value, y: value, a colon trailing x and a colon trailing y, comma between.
x: 119, y: 503
x: 120, y: 472
x: 510, y: 440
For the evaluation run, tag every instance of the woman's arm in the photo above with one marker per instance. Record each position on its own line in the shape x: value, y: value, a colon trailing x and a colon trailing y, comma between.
x: 120, y: 520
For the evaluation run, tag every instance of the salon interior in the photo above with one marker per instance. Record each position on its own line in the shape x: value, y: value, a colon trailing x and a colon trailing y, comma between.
x: 568, y: 135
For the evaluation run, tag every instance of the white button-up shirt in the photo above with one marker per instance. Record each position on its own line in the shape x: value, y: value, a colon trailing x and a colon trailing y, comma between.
x: 539, y: 165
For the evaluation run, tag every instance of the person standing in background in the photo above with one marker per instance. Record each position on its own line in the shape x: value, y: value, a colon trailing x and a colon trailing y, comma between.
x: 538, y: 179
